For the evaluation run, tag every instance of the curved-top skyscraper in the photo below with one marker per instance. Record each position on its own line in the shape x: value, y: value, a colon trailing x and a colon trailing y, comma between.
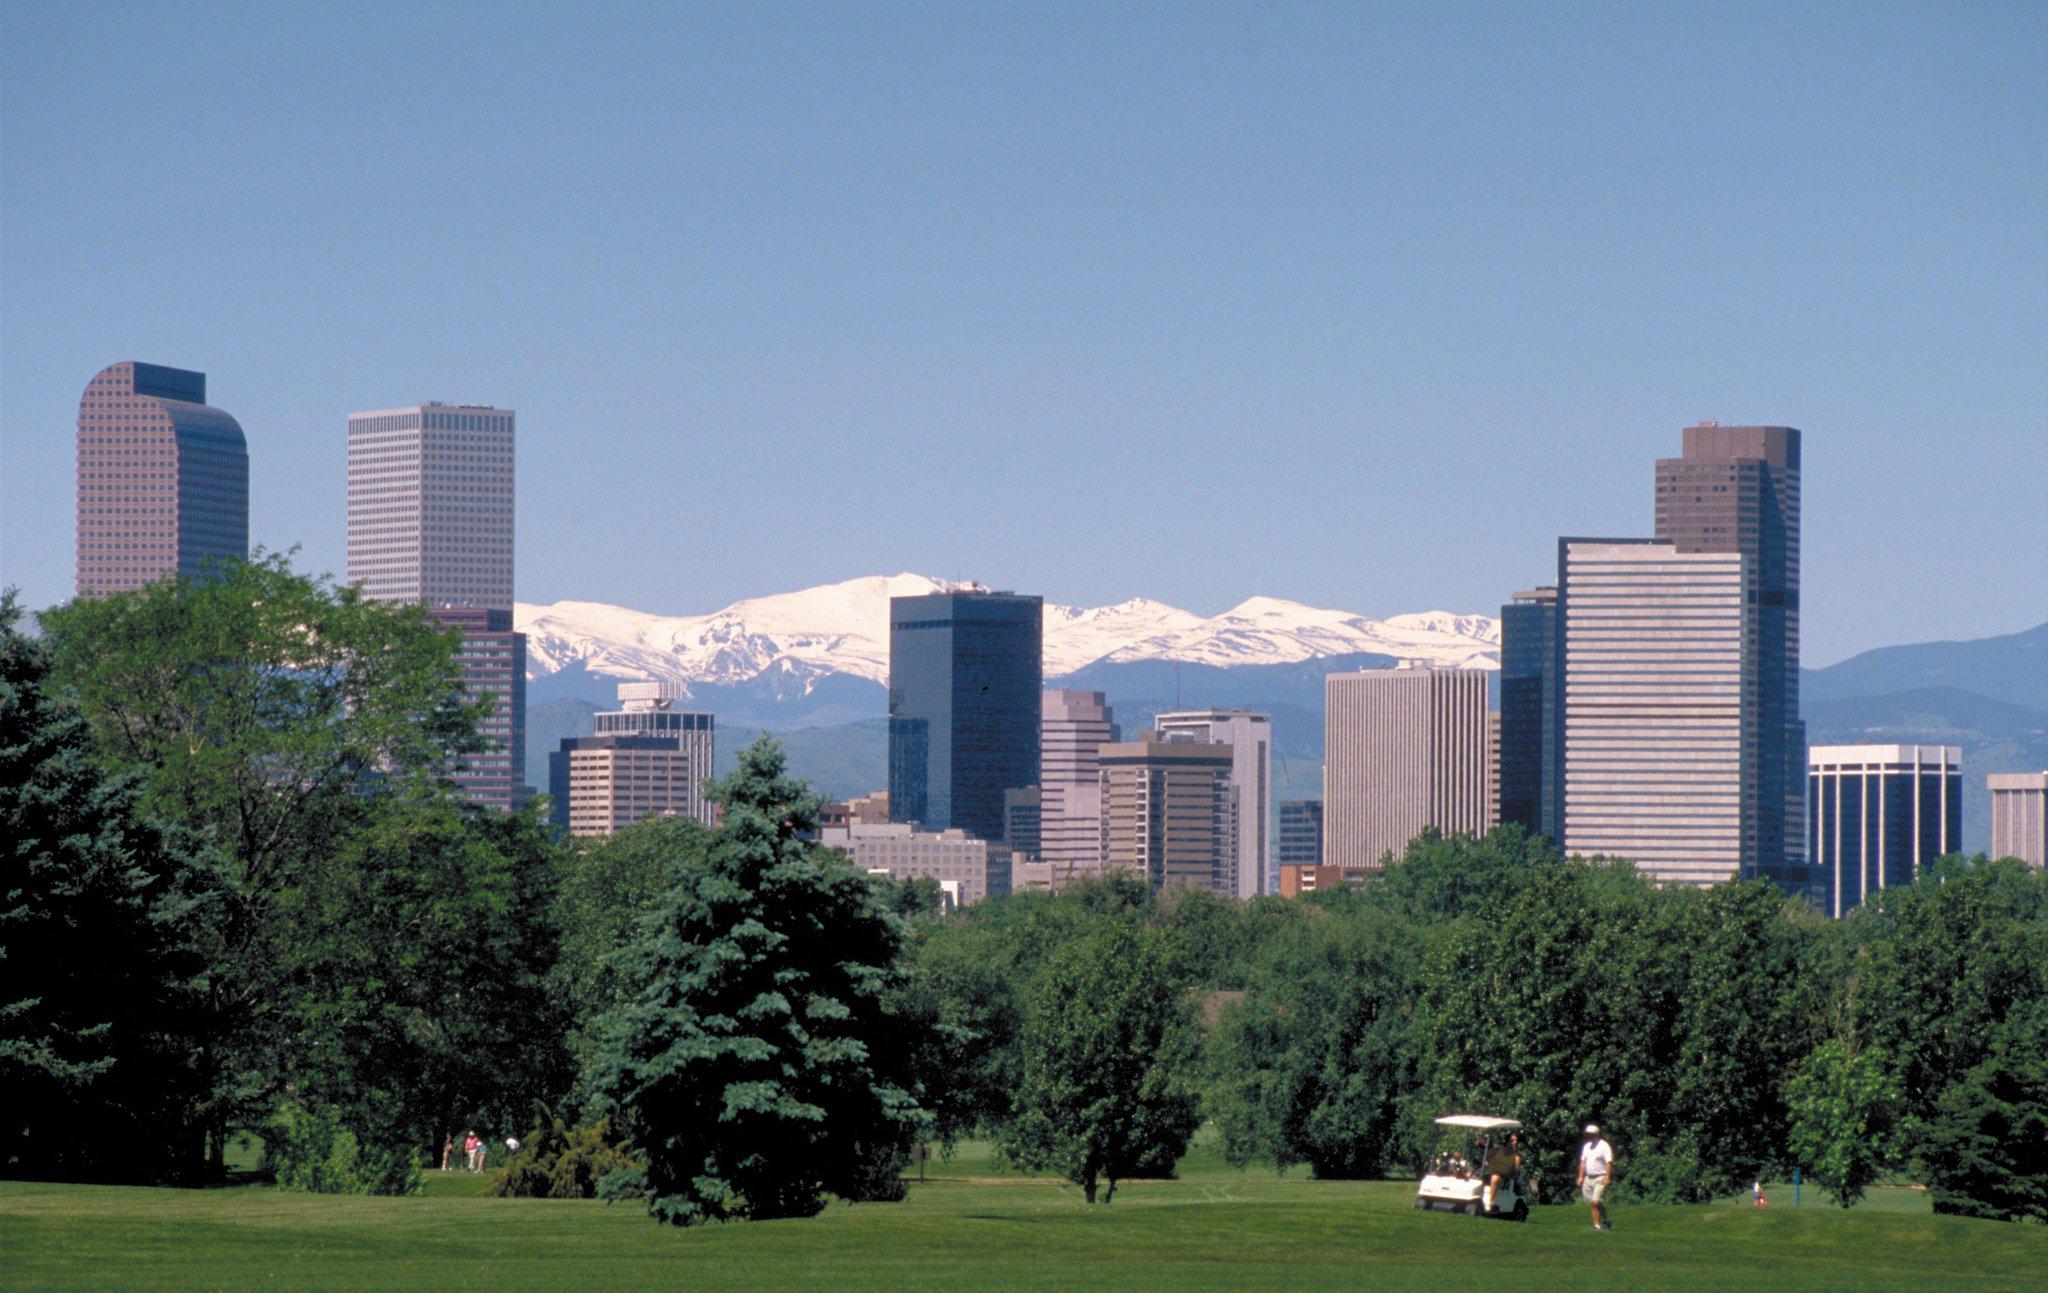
x: 163, y: 478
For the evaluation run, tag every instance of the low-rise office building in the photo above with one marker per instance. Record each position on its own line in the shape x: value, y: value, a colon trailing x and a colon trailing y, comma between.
x: 2019, y: 816
x: 973, y: 868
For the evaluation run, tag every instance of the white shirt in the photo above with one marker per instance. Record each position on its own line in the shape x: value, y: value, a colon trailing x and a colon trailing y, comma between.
x: 1595, y: 1157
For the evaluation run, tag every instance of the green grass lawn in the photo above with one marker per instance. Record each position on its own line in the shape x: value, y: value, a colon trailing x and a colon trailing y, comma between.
x: 972, y: 1224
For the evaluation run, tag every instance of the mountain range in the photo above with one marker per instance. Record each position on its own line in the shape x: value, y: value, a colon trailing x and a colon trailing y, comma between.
x: 821, y: 655
x: 812, y: 666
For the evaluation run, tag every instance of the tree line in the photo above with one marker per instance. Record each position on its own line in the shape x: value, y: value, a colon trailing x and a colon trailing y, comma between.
x: 241, y: 897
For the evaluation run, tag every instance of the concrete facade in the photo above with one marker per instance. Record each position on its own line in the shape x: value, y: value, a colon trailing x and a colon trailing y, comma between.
x: 2019, y: 816
x: 163, y: 479
x: 430, y: 504
x: 1073, y: 727
x: 1402, y: 749
x: 1169, y: 813
x: 972, y: 868
x: 430, y: 494
x: 1250, y: 738
x: 1660, y: 711
x: 599, y: 785
x: 649, y: 709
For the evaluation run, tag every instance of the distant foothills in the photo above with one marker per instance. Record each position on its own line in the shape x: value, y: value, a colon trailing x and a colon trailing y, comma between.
x: 812, y: 666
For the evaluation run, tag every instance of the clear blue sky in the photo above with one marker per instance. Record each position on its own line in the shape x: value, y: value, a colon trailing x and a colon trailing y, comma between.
x: 1360, y: 305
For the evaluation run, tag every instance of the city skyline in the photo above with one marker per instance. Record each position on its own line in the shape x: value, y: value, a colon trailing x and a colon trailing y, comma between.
x: 1308, y: 290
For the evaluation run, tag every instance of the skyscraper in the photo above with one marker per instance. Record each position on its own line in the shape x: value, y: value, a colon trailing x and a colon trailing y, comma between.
x: 1169, y: 813
x: 1250, y: 738
x: 1402, y: 749
x: 1301, y: 832
x: 493, y: 661
x: 1736, y: 489
x: 2019, y: 816
x: 964, y: 675
x: 1660, y: 711
x: 430, y: 504
x: 1880, y: 814
x: 430, y: 521
x: 1530, y: 745
x: 163, y: 478
x: 1073, y: 727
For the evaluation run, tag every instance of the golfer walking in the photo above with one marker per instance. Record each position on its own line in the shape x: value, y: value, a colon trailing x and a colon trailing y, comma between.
x: 1596, y: 1165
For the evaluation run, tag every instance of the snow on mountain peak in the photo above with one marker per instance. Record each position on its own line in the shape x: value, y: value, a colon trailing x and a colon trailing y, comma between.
x: 844, y: 628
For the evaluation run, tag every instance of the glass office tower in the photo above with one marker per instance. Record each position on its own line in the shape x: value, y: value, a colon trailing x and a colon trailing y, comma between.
x: 1531, y: 776
x: 964, y: 676
x: 1881, y: 814
x: 1736, y: 489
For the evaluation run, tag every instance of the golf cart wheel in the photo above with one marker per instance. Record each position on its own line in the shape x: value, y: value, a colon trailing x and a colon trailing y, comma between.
x: 1521, y: 1212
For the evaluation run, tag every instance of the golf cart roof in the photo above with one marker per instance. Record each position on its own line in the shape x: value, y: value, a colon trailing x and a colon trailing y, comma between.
x: 1478, y: 1122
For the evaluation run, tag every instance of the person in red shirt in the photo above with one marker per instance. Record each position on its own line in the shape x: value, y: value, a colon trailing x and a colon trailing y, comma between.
x: 474, y: 1148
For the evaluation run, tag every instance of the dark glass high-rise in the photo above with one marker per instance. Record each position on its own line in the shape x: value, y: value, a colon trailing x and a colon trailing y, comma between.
x: 965, y: 671
x: 1736, y: 489
x: 1531, y: 748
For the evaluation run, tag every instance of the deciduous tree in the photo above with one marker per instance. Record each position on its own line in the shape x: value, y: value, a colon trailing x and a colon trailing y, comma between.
x: 1108, y: 1076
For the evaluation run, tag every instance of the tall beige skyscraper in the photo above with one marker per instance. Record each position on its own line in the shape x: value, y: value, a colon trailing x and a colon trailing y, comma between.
x: 1073, y: 726
x: 1662, y: 718
x: 1402, y: 749
x: 2019, y: 816
x: 1169, y: 812
x: 430, y: 505
x: 430, y: 521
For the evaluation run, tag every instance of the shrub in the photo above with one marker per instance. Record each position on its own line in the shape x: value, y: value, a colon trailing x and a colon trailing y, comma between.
x: 310, y: 1151
x: 562, y: 1162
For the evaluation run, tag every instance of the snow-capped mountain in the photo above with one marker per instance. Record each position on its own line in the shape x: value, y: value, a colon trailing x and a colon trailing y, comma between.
x: 795, y: 639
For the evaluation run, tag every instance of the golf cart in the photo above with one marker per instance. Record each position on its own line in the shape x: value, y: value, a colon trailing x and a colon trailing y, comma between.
x: 1456, y: 1178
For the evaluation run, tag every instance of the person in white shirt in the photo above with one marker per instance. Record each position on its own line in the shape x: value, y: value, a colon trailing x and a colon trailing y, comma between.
x: 1596, y: 1166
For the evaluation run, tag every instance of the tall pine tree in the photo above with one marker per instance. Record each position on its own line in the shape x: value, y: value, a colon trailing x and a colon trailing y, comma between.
x: 756, y: 1064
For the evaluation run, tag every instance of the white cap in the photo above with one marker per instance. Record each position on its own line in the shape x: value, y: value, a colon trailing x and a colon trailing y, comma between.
x: 1592, y: 1130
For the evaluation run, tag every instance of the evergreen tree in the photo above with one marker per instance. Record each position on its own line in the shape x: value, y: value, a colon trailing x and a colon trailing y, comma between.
x: 1983, y: 1146
x: 1107, y: 1089
x: 95, y: 986
x: 607, y: 885
x: 756, y: 1063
